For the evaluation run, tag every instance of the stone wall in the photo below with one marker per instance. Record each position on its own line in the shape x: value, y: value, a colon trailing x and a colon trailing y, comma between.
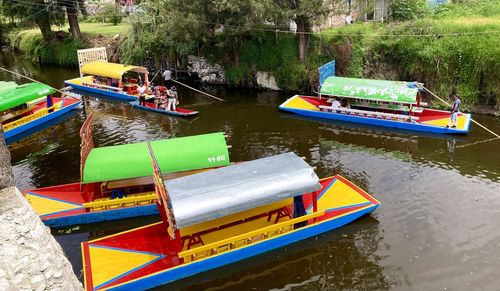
x: 208, y: 73
x: 30, y: 257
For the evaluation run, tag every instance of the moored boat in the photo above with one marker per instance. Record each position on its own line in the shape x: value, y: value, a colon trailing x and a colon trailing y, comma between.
x: 23, y: 107
x: 219, y: 217
x: 151, y: 106
x: 116, y: 181
x: 382, y: 103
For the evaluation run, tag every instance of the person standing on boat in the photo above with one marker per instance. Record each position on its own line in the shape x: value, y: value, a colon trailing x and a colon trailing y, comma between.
x: 142, y: 94
x: 172, y: 98
x: 455, y: 109
x: 167, y: 77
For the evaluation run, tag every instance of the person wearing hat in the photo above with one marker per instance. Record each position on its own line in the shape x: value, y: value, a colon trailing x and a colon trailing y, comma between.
x: 172, y: 98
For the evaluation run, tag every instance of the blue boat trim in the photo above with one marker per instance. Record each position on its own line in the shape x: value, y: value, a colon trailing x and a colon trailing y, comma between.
x: 99, y: 216
x: 380, y: 122
x: 13, y: 132
x: 204, y: 265
x: 111, y: 94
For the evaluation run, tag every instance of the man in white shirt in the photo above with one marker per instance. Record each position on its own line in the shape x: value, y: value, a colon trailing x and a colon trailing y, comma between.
x: 335, y: 103
x: 167, y: 76
x: 141, y: 90
x: 171, y: 99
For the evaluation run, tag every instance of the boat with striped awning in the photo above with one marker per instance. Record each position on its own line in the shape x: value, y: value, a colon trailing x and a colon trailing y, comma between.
x: 220, y: 217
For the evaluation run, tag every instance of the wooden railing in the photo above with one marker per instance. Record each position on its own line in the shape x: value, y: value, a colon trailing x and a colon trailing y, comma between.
x: 27, y: 119
x: 147, y: 198
x: 374, y: 114
x: 242, y: 240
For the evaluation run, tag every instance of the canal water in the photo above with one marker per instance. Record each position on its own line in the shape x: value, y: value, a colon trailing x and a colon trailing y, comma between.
x: 436, y: 228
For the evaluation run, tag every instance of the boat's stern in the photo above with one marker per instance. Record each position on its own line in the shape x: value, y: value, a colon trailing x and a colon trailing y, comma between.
x: 117, y: 259
x: 441, y: 121
x: 79, y: 81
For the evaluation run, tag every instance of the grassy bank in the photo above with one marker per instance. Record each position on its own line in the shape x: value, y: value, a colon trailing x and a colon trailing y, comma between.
x: 29, y: 42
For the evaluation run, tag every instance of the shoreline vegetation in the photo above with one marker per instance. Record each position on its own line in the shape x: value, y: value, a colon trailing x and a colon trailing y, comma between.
x: 452, y: 49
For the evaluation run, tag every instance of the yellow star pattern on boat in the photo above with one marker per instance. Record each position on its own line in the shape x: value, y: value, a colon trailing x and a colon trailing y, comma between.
x: 299, y: 103
x: 109, y: 263
x: 44, y: 206
x: 461, y: 121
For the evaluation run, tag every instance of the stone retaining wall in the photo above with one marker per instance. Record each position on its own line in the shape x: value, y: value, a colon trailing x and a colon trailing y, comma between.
x: 30, y: 257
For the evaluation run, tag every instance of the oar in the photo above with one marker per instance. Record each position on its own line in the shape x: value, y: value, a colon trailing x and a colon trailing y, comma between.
x: 36, y: 81
x: 484, y: 127
x: 194, y: 89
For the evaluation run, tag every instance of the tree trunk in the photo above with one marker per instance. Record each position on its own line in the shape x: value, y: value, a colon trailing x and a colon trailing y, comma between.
x: 6, y: 179
x: 43, y: 22
x: 72, y: 13
x: 303, y: 39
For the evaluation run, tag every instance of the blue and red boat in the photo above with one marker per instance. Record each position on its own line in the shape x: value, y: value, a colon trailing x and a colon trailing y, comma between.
x: 24, y: 107
x: 220, y: 217
x: 382, y: 103
x: 116, y: 181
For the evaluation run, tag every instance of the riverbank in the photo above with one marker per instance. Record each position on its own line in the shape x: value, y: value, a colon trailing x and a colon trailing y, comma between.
x: 452, y: 50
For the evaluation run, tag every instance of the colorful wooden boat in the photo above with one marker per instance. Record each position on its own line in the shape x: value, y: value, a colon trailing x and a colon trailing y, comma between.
x: 375, y: 102
x: 222, y: 216
x: 23, y: 107
x: 151, y: 106
x: 116, y: 181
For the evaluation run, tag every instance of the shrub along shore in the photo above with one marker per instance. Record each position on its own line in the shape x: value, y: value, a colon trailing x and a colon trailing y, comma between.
x: 452, y: 50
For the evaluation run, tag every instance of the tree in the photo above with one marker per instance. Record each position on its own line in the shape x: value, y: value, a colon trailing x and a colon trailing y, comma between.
x: 305, y: 13
x: 72, y: 13
x: 6, y: 179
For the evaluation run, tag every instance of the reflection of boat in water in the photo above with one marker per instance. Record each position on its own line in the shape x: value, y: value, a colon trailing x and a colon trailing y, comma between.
x: 376, y: 102
x: 116, y: 181
x: 28, y: 106
x: 219, y: 217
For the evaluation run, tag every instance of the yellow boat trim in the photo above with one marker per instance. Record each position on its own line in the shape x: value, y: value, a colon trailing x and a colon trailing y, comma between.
x: 338, y: 195
x: 27, y: 119
x: 298, y: 103
x: 110, y: 70
x: 45, y: 206
x: 131, y: 200
x: 461, y: 122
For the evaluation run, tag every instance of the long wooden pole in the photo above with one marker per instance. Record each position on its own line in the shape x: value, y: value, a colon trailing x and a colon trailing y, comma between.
x: 194, y: 89
x: 36, y: 81
x: 440, y: 99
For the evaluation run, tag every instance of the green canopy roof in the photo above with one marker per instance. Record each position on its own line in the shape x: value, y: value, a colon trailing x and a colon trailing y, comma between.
x: 380, y: 90
x: 6, y: 86
x: 22, y: 94
x: 173, y: 155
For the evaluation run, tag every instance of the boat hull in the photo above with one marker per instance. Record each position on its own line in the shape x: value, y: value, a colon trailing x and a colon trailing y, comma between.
x: 412, y: 126
x: 40, y: 121
x: 156, y: 265
x: 107, y: 93
x: 180, y: 111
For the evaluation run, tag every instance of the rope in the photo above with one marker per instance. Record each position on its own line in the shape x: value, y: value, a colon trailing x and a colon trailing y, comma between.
x: 211, y: 96
x: 440, y: 99
x: 36, y: 81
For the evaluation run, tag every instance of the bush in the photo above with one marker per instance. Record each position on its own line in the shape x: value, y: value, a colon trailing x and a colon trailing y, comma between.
x: 110, y: 13
x: 402, y: 10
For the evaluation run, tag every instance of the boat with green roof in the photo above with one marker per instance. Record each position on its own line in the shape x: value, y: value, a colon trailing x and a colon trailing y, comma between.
x: 116, y: 181
x: 23, y: 107
x: 395, y: 104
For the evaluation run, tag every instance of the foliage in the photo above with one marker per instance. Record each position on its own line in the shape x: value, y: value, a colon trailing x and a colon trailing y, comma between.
x: 110, y: 13
x: 402, y: 10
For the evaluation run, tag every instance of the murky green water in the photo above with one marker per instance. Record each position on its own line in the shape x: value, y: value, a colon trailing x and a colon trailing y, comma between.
x: 436, y: 228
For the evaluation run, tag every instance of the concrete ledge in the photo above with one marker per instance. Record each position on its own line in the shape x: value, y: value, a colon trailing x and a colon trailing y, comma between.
x: 30, y: 257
